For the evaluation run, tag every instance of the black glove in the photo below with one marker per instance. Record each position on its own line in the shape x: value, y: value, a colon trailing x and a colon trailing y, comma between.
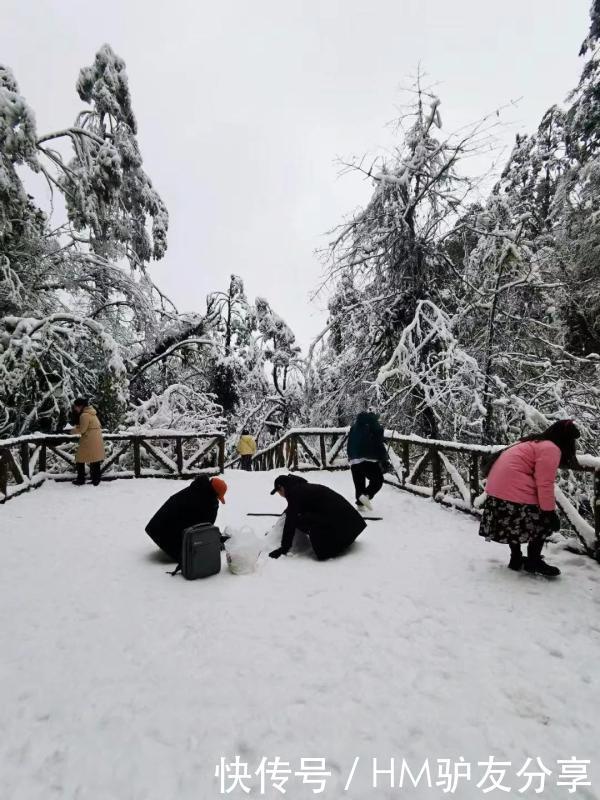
x: 551, y: 520
x: 276, y: 553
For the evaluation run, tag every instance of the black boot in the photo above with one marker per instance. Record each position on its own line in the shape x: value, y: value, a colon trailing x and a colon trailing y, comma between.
x: 516, y: 556
x: 95, y: 472
x: 534, y: 563
x: 80, y: 480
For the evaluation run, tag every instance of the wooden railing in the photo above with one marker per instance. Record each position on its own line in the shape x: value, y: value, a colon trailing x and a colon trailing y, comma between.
x: 27, y: 461
x: 297, y: 444
x: 447, y: 472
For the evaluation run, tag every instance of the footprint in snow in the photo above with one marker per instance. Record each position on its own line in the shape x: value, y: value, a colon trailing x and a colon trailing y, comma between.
x: 554, y: 652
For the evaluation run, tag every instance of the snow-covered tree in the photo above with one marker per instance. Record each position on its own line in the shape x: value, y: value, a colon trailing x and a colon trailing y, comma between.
x: 429, y: 359
x: 22, y: 225
x: 390, y: 257
x: 79, y: 312
x: 469, y: 317
x: 232, y: 320
x: 62, y: 298
x: 111, y: 203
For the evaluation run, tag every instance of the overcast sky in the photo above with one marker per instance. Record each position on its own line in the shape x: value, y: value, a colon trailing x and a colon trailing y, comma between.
x: 243, y: 108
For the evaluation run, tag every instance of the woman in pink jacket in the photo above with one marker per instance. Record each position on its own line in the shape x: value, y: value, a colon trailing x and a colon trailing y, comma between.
x: 520, y: 506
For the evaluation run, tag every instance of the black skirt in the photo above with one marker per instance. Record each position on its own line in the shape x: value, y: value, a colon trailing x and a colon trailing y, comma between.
x: 508, y: 522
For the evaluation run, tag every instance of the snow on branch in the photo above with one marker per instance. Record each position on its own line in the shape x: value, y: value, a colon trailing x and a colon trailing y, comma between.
x: 170, y: 351
x: 429, y: 363
x: 40, y: 363
x: 179, y: 407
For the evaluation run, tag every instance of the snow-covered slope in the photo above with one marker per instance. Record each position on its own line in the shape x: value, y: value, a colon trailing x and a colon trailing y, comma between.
x: 119, y: 682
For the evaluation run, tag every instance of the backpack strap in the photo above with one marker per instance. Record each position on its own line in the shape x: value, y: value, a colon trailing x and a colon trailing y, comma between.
x: 175, y: 571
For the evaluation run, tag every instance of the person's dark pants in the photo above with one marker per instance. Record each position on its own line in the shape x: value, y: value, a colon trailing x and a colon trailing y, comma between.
x: 325, y: 542
x: 247, y: 463
x: 94, y: 473
x: 367, y: 477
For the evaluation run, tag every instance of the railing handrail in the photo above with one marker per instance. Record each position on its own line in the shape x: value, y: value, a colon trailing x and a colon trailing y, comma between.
x: 25, y: 458
x: 288, y: 435
x: 37, y: 437
x: 585, y: 461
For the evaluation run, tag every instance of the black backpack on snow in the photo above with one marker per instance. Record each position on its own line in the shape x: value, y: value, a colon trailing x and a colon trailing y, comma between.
x: 200, y: 552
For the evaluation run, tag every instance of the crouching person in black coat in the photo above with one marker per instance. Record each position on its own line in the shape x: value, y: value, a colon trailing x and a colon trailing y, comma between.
x: 331, y: 523
x: 198, y: 502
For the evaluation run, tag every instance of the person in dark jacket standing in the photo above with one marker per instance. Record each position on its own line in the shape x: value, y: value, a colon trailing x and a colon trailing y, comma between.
x: 329, y: 520
x: 366, y: 452
x: 198, y: 502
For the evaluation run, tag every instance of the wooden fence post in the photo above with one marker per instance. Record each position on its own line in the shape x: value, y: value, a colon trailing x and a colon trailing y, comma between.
x: 179, y: 454
x: 294, y: 453
x: 473, y: 477
x: 137, y: 458
x: 43, y: 457
x: 597, y: 510
x: 405, y: 462
x: 436, y: 473
x: 4, y: 472
x: 24, y: 451
x: 323, y: 451
x: 221, y: 453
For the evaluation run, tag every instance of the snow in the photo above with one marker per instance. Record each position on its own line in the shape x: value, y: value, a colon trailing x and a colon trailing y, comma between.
x: 119, y: 681
x: 457, y: 478
x: 581, y: 527
x: 145, y: 433
x: 448, y: 444
x: 585, y: 460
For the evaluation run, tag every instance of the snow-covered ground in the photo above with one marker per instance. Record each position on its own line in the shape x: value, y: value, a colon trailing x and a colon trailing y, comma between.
x: 119, y: 682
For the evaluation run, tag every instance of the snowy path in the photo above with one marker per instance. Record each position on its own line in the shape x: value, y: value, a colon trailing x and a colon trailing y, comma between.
x: 118, y: 682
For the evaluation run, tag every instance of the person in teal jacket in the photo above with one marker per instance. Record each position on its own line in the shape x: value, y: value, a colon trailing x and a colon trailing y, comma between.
x: 366, y: 453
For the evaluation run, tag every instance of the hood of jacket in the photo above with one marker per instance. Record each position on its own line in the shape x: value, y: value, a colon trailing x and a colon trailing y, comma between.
x: 366, y: 418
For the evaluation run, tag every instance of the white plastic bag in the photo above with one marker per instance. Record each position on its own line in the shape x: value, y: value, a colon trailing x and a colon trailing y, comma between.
x: 273, y: 536
x: 242, y: 549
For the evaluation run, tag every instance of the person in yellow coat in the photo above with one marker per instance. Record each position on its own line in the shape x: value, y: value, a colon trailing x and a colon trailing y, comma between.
x: 91, y: 445
x: 246, y: 448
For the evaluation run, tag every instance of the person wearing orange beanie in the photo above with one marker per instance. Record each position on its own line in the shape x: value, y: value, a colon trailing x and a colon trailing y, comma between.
x: 198, y: 502
x: 219, y: 487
